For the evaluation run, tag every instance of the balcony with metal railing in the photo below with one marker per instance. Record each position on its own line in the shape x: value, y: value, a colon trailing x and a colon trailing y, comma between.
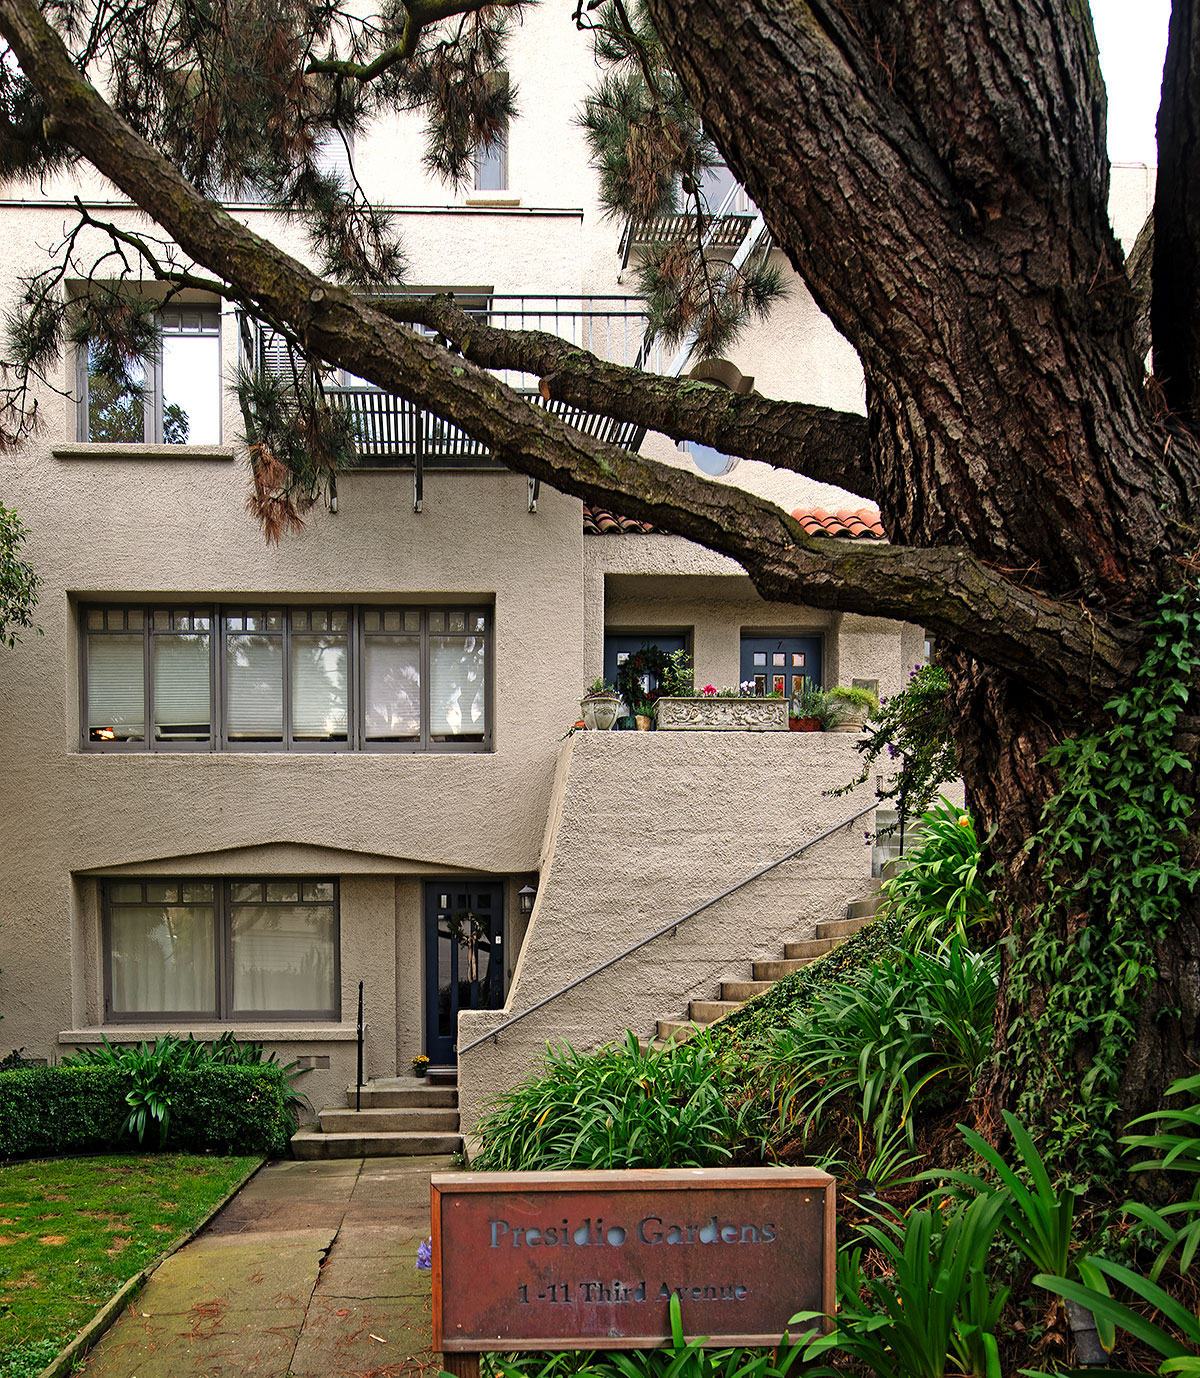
x: 728, y: 217
x: 393, y: 432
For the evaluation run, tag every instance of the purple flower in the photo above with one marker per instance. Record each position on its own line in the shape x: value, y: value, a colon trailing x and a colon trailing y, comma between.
x: 425, y: 1255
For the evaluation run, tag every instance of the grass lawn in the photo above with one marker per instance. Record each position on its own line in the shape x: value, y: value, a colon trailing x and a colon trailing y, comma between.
x: 72, y: 1230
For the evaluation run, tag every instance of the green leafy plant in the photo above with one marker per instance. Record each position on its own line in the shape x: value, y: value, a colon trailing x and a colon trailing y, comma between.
x: 1111, y: 846
x: 933, y: 1313
x: 1177, y: 1138
x: 940, y: 888
x: 911, y: 731
x: 618, y: 1107
x: 870, y: 1046
x: 851, y: 702
x: 600, y: 689
x: 18, y: 582
x: 1038, y: 1216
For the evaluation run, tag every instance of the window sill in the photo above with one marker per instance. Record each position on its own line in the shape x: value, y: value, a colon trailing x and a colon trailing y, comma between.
x: 500, y: 199
x: 105, y: 450
x: 257, y: 1033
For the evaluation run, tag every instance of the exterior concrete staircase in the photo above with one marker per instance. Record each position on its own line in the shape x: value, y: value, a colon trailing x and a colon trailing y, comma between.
x: 400, y: 1117
x: 734, y: 994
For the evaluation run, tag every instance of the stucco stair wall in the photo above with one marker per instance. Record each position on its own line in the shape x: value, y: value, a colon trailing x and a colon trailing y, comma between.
x: 644, y: 827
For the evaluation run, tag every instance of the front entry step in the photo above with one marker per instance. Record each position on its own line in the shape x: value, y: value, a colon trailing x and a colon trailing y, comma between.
x: 399, y: 1117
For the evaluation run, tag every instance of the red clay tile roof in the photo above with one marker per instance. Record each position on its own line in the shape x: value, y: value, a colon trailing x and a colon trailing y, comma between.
x: 858, y: 524
x: 597, y: 521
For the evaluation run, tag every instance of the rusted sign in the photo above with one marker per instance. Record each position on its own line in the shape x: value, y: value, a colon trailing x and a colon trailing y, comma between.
x: 590, y: 1260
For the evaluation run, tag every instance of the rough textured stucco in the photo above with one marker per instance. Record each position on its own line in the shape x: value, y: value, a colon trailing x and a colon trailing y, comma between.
x: 644, y: 827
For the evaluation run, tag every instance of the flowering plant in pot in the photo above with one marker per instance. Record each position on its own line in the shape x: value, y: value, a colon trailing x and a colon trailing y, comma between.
x: 810, y: 709
x: 600, y: 705
x: 419, y: 1065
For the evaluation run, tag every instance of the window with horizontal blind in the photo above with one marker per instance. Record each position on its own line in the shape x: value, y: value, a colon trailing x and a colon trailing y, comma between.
x: 221, y: 949
x: 276, y: 678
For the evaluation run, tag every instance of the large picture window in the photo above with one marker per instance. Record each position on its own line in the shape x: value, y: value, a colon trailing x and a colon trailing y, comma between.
x: 261, y: 678
x: 221, y: 949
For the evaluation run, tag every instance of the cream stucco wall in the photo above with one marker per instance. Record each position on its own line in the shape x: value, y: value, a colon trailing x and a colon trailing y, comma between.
x: 642, y: 829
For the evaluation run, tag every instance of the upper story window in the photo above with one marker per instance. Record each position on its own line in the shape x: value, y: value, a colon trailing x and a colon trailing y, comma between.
x: 491, y: 165
x: 170, y: 398
x: 259, y: 678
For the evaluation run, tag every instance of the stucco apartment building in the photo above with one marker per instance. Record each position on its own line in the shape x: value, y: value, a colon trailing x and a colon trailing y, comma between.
x: 239, y: 779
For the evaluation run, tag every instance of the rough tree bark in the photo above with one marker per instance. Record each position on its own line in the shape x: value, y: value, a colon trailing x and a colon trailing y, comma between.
x: 937, y: 175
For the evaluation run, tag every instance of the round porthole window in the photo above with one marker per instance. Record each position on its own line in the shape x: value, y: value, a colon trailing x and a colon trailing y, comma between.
x: 708, y: 460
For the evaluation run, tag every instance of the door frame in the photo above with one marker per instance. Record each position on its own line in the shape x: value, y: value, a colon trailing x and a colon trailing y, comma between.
x: 429, y: 945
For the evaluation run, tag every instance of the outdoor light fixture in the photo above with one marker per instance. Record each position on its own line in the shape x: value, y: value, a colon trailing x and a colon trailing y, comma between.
x: 526, y: 895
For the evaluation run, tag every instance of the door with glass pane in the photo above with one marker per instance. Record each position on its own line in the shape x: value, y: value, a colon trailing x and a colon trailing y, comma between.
x: 464, y: 959
x: 781, y: 664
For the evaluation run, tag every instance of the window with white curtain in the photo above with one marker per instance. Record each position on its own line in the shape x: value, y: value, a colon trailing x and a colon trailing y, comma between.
x: 368, y: 678
x: 221, y: 949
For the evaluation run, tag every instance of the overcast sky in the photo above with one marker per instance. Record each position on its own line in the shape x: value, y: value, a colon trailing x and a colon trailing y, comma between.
x: 1133, y: 38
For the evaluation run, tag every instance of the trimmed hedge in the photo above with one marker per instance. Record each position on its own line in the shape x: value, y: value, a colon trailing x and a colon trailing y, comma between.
x: 46, y: 1111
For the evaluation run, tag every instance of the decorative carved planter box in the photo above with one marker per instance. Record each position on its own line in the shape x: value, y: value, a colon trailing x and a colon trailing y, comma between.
x: 722, y: 715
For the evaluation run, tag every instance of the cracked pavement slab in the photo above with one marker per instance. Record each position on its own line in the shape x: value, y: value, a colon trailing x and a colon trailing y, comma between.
x: 309, y: 1271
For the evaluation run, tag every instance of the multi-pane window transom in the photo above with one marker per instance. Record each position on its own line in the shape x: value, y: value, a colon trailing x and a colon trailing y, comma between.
x: 276, y: 678
x: 221, y: 949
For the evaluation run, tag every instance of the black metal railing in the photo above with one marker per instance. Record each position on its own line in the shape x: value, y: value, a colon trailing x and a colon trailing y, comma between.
x: 671, y: 928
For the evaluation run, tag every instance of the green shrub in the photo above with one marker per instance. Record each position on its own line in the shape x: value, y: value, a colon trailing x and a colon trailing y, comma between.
x: 872, y: 1044
x: 618, y: 1107
x: 940, y: 887
x: 151, y: 1068
x: 46, y: 1111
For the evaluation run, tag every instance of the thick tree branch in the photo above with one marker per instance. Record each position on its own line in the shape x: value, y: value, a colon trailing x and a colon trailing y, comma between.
x: 419, y: 14
x: 819, y: 442
x: 950, y: 591
x: 1175, y: 304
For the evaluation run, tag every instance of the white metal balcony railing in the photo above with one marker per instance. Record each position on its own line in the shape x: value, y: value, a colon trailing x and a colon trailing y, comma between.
x: 394, y: 433
x: 724, y: 227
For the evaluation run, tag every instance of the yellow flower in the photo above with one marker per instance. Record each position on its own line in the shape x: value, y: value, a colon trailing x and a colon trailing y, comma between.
x: 963, y: 821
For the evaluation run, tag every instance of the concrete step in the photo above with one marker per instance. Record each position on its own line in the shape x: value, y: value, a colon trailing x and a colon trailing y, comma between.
x: 865, y: 908
x: 840, y: 928
x: 335, y: 1120
x: 402, y: 1093
x: 311, y: 1144
x: 741, y: 991
x: 810, y: 947
x: 709, y: 1011
x: 674, y: 1030
x: 776, y: 971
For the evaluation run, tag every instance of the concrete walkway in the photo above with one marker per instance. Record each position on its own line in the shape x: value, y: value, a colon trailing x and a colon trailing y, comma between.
x: 309, y: 1272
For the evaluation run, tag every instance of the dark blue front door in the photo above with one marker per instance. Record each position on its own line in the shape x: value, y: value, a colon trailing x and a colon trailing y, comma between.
x: 464, y: 959
x: 780, y: 664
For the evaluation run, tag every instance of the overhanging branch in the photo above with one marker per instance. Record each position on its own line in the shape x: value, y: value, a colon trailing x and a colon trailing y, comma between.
x: 950, y: 591
x: 819, y: 442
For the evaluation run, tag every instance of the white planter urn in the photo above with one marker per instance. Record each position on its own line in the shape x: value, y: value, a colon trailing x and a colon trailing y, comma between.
x: 703, y: 714
x: 601, y: 712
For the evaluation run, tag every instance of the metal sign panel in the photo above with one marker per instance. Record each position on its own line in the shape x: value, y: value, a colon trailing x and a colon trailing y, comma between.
x: 590, y: 1260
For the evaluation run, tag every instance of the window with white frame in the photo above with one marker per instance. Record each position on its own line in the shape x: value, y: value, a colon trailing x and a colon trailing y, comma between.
x: 172, y: 397
x: 201, y: 947
x: 336, y: 678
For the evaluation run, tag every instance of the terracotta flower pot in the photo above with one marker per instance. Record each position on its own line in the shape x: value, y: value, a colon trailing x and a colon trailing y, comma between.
x: 804, y: 724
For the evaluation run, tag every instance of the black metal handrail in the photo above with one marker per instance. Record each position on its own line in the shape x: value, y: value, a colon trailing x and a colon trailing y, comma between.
x: 672, y: 927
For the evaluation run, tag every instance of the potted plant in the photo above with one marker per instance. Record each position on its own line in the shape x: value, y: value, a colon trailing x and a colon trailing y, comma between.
x: 600, y: 705
x: 851, y: 708
x: 419, y: 1065
x: 721, y: 710
x: 808, y: 709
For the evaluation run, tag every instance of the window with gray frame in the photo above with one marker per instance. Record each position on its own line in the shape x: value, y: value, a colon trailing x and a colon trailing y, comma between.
x: 261, y: 678
x: 221, y: 949
x: 170, y: 398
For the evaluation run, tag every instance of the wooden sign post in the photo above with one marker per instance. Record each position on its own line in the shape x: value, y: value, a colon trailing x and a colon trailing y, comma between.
x: 591, y: 1260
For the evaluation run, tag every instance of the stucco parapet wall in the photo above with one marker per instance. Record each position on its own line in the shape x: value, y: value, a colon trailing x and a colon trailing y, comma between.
x: 643, y: 829
x: 104, y: 450
x: 259, y: 1033
x: 654, y: 553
